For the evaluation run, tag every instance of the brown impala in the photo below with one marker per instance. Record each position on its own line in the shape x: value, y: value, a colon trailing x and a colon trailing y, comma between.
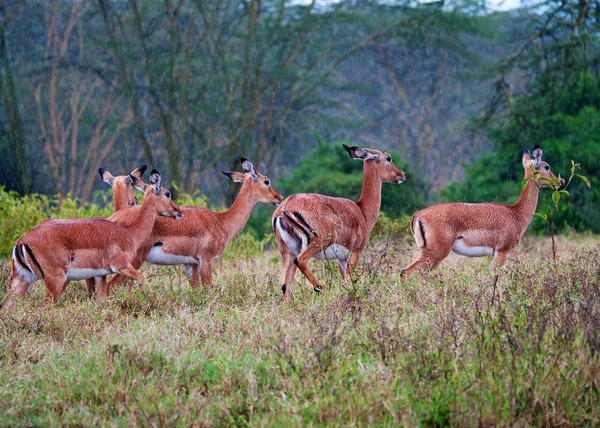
x: 62, y: 250
x: 477, y: 230
x: 311, y: 225
x: 202, y: 235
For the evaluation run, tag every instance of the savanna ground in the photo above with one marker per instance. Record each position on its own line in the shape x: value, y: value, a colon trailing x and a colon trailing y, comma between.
x: 448, y: 349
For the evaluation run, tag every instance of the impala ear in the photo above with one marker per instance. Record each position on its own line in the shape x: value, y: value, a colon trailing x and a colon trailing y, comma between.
x: 106, y: 176
x: 155, y: 180
x: 525, y: 157
x: 537, y: 156
x: 138, y: 184
x: 249, y: 168
x: 139, y: 171
x: 236, y: 177
x: 356, y: 152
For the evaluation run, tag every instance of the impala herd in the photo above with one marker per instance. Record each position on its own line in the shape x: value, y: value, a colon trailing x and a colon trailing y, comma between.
x: 306, y: 225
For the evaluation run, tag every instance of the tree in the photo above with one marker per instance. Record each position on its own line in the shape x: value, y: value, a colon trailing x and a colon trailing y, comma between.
x: 559, y: 109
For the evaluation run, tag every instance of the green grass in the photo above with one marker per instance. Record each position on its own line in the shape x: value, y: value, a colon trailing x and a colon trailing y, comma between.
x: 440, y: 350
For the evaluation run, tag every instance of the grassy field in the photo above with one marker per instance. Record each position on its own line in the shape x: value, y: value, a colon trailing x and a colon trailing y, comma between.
x: 448, y: 349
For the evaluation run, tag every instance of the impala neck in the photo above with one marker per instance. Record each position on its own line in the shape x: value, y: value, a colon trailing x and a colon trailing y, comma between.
x: 527, y: 202
x: 235, y: 218
x: 142, y: 222
x: 370, y: 198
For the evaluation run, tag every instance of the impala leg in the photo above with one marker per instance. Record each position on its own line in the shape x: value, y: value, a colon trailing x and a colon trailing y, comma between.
x: 302, y: 262
x: 128, y: 273
x: 428, y: 259
x: 499, y: 259
x: 348, y: 267
x: 102, y: 288
x: 90, y: 285
x: 54, y: 287
x: 206, y: 272
x: 18, y: 288
x: 289, y: 273
x: 195, y: 277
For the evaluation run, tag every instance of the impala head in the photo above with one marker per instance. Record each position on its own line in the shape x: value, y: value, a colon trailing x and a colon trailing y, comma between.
x: 155, y: 194
x: 259, y: 184
x: 534, y: 160
x: 122, y: 185
x: 382, y: 161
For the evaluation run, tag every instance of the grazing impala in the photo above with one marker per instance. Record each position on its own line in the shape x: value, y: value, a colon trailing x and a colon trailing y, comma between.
x: 310, y: 225
x: 202, y: 235
x: 62, y: 250
x: 476, y: 230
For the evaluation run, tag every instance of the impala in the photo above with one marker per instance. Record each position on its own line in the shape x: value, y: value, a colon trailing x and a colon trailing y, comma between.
x: 202, y: 235
x: 123, y: 197
x: 310, y: 225
x: 122, y: 185
x: 477, y: 230
x: 62, y: 250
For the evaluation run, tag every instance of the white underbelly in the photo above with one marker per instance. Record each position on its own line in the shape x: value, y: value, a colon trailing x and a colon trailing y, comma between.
x: 158, y: 257
x: 459, y: 247
x: 78, y: 274
x: 333, y: 252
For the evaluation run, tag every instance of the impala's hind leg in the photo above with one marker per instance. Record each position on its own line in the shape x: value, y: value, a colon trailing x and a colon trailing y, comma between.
x: 18, y: 288
x: 302, y: 262
x: 347, y: 267
x: 429, y: 259
x: 55, y: 285
x: 289, y: 272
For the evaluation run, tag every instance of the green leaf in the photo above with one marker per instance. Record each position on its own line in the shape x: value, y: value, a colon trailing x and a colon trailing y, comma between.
x: 564, y: 193
x: 585, y: 180
x: 543, y: 217
x: 524, y: 183
x: 556, y: 197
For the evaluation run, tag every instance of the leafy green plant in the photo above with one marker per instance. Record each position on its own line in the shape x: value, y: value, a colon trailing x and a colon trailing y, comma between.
x: 557, y: 195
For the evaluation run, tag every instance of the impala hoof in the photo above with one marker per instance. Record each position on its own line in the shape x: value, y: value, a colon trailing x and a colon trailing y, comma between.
x: 318, y: 289
x: 283, y: 288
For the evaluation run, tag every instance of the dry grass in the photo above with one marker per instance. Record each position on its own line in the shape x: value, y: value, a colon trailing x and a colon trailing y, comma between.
x: 444, y: 350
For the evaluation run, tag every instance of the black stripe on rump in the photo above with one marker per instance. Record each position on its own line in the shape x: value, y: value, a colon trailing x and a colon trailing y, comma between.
x: 33, y: 258
x: 422, y: 233
x: 295, y: 223
x: 19, y: 259
x: 273, y: 223
x: 301, y: 219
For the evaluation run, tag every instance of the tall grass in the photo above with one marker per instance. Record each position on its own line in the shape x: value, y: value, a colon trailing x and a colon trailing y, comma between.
x: 447, y: 349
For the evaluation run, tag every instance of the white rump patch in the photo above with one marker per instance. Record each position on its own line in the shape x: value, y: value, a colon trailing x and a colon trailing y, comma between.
x: 77, y: 274
x: 158, y: 257
x: 334, y: 252
x: 293, y: 243
x: 24, y: 274
x: 459, y: 247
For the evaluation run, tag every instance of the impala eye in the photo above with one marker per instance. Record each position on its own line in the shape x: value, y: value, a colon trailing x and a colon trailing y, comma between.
x: 389, y: 159
x: 168, y: 194
x: 267, y: 182
x: 547, y: 167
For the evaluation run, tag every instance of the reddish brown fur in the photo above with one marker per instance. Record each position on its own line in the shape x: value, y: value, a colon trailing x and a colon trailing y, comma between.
x: 203, y: 234
x: 61, y: 245
x: 334, y: 220
x: 491, y: 225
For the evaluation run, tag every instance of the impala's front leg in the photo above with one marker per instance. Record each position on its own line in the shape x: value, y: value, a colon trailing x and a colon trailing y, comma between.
x: 302, y: 262
x: 206, y: 271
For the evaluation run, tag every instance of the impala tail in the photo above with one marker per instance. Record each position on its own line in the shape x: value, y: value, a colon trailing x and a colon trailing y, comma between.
x: 24, y: 262
x: 418, y: 231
